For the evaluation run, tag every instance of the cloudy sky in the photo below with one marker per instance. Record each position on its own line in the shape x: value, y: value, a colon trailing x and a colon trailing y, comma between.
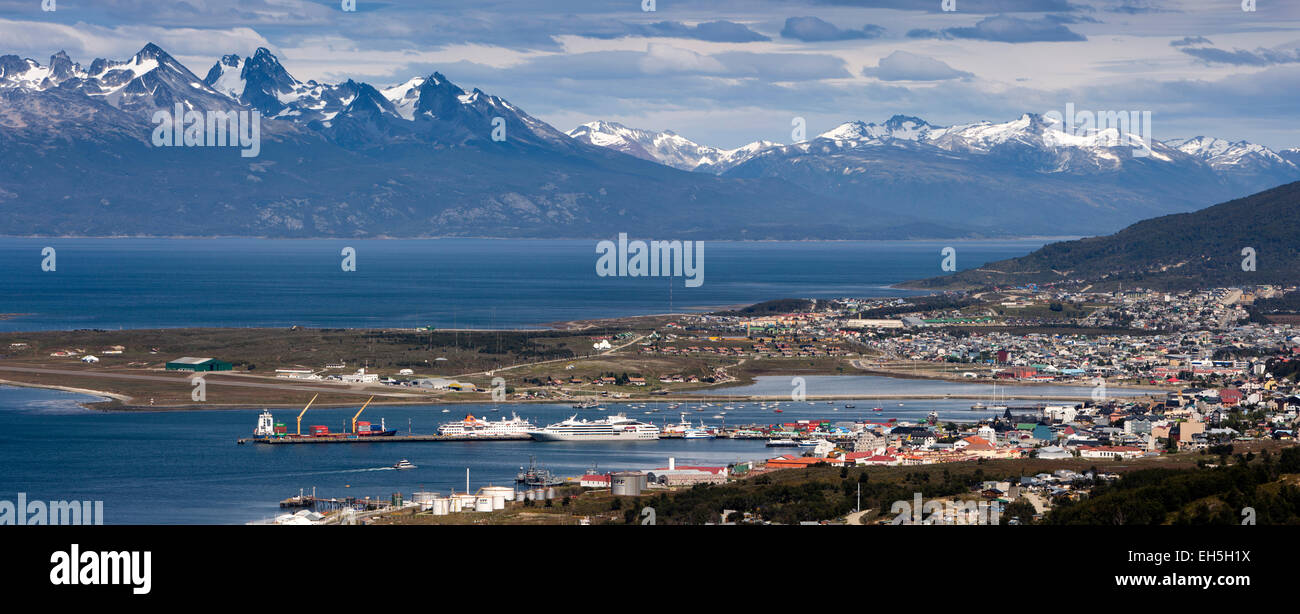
x: 726, y: 72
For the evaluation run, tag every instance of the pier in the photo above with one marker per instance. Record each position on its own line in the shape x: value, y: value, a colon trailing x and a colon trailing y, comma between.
x: 379, y: 439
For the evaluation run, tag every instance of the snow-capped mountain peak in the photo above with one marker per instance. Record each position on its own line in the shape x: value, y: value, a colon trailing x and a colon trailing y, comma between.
x: 665, y: 147
x: 404, y: 96
x: 1222, y: 154
x: 226, y: 76
x: 900, y: 127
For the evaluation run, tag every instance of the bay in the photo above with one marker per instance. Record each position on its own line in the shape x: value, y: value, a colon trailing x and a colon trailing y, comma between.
x: 461, y: 283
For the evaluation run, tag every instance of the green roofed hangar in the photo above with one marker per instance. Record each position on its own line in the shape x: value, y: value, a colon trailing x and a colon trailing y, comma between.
x: 190, y: 363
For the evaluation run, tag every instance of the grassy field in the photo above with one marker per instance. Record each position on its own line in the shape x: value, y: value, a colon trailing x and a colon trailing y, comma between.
x: 257, y: 353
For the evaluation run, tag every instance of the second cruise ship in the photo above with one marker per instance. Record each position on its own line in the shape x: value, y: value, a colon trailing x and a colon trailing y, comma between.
x: 613, y: 428
x: 478, y: 427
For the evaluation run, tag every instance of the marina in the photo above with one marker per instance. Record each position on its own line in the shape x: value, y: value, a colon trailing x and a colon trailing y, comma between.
x: 208, y: 480
x: 388, y: 439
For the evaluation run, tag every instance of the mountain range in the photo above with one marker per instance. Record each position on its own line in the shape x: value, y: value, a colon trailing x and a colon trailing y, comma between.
x: 1026, y: 175
x: 419, y: 159
x: 1247, y: 241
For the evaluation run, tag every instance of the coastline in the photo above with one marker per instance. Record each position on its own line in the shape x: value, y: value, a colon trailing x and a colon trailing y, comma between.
x: 104, y: 396
x: 123, y: 401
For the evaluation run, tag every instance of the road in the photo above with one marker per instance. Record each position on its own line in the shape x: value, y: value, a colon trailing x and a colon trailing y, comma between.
x: 856, y: 517
x: 1036, y: 501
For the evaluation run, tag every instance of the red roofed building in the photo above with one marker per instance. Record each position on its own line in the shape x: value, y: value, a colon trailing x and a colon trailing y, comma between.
x: 973, y: 444
x: 1230, y: 397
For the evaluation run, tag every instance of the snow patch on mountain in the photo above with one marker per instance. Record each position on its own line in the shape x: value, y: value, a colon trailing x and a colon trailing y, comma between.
x: 666, y: 147
x: 1222, y: 154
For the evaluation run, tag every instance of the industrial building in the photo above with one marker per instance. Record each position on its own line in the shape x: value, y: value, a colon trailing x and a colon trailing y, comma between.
x: 190, y: 363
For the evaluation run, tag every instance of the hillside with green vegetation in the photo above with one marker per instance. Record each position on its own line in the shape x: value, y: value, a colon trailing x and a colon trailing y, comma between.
x: 1206, y: 248
x: 1268, y: 484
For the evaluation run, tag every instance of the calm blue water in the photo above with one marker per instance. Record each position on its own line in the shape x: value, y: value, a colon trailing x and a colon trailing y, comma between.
x: 185, y: 467
x: 767, y: 385
x: 469, y: 283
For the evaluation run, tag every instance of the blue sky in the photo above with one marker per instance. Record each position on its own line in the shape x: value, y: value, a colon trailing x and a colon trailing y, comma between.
x: 726, y: 72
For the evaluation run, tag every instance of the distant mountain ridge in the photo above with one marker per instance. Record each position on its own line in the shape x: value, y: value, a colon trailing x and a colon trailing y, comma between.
x: 666, y: 147
x: 986, y: 175
x: 349, y: 159
x: 418, y: 158
x: 1212, y: 247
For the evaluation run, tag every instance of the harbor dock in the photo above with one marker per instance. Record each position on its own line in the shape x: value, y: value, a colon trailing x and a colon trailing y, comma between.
x: 379, y: 439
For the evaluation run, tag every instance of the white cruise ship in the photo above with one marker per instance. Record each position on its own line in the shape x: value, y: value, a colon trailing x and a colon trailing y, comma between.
x: 613, y: 428
x: 478, y: 427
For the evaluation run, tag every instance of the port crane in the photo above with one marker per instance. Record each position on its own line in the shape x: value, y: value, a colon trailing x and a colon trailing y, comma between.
x: 304, y: 410
x: 354, y: 418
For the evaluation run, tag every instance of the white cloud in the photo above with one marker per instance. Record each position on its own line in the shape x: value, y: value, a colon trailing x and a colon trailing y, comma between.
x: 662, y: 58
x: 904, y: 66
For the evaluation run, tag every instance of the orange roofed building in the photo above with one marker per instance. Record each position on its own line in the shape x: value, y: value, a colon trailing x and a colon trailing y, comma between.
x: 790, y: 461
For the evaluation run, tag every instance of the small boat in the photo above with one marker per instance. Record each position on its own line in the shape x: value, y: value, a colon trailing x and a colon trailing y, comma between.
x: 849, y: 406
x: 877, y: 409
x: 446, y: 411
x: 403, y: 464
x: 777, y: 410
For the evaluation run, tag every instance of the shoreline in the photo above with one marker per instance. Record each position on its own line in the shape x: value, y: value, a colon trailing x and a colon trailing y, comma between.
x: 1007, y: 383
x: 104, y: 395
x: 690, y: 397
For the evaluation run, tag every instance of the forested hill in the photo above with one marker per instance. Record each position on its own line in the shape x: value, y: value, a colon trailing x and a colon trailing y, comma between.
x: 1207, y: 248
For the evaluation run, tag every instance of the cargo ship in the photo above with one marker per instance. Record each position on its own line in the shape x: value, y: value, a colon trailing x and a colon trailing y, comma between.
x: 268, y: 428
